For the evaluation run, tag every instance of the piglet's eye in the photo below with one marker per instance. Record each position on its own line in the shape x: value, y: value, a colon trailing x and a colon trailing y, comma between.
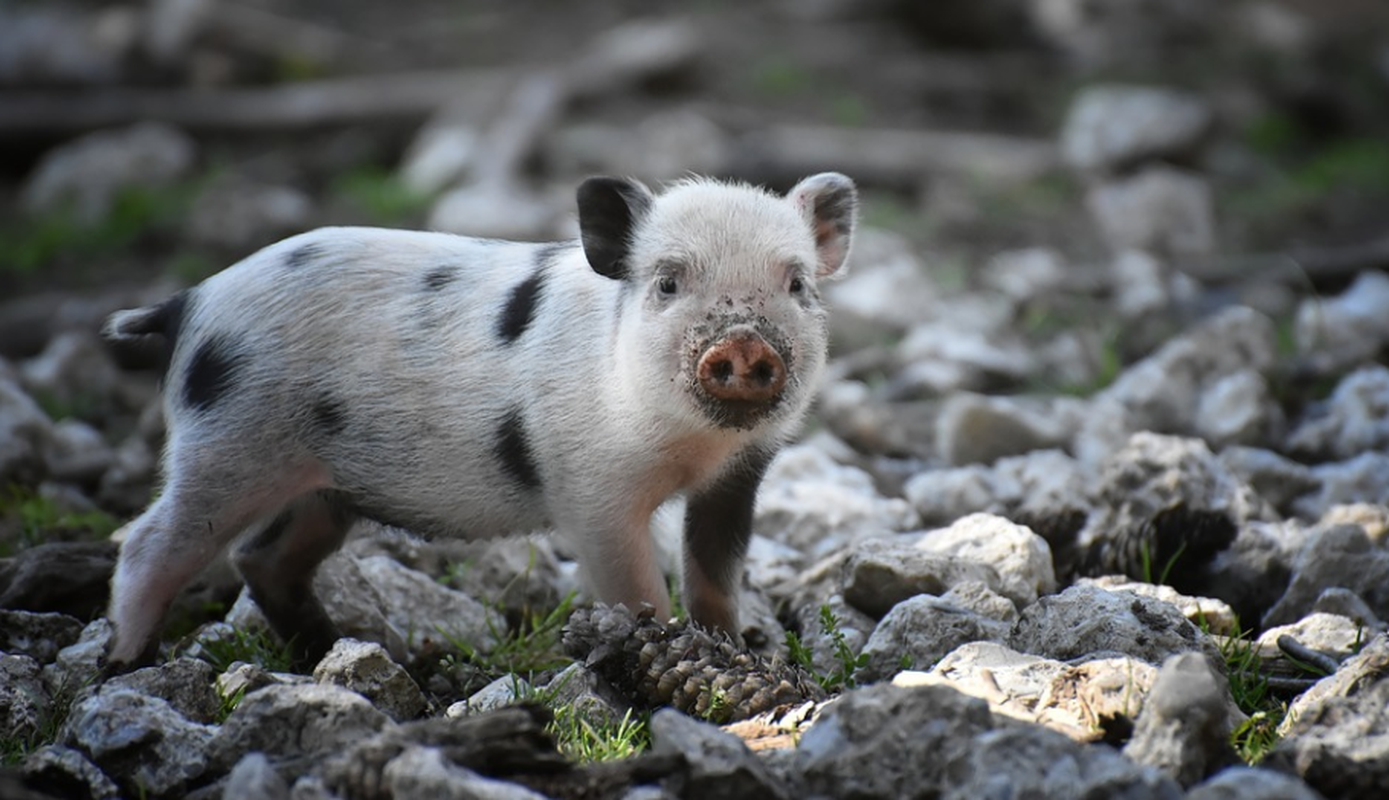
x: 797, y: 284
x: 666, y: 285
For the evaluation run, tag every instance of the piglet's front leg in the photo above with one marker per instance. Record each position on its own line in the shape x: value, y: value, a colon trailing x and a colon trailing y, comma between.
x: 718, y: 525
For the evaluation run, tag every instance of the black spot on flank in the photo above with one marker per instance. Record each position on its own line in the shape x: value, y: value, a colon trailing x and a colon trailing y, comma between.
x: 438, y: 278
x: 304, y: 255
x: 330, y: 415
x: 514, y: 450
x: 212, y: 373
x: 520, y: 308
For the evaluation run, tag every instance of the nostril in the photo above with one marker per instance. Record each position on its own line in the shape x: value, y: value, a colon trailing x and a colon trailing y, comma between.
x: 722, y: 371
x: 763, y: 373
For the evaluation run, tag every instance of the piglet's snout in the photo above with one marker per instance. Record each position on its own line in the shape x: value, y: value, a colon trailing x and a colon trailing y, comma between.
x: 742, y: 367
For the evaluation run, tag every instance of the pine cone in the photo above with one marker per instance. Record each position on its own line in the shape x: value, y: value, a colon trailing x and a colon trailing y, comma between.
x: 684, y: 666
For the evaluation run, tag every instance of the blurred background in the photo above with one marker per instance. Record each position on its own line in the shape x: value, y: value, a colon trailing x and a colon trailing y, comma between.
x: 166, y: 139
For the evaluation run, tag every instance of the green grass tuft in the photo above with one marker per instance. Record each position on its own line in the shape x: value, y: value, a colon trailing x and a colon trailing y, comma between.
x: 259, y: 647
x: 533, y: 647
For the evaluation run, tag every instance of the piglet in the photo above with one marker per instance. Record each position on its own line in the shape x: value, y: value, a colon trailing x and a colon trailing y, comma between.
x: 469, y: 387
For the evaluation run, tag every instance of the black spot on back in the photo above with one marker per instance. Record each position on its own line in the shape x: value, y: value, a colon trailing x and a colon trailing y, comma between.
x: 520, y: 307
x: 514, y: 451
x: 436, y: 279
x: 330, y: 415
x: 303, y: 255
x: 212, y: 373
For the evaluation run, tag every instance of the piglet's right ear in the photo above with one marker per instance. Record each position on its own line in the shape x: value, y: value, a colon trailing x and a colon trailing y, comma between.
x: 609, y: 210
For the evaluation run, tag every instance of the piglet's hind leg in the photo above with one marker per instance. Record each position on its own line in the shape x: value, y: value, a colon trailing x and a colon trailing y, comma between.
x: 278, y: 564
x: 166, y: 547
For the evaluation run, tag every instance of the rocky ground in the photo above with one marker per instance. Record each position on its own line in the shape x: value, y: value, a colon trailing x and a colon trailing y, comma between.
x: 1095, y: 502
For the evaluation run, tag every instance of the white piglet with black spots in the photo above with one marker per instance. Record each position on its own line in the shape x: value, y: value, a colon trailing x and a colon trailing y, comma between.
x: 467, y: 387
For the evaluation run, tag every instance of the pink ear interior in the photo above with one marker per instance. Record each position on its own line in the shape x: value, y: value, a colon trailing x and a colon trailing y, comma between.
x: 829, y: 202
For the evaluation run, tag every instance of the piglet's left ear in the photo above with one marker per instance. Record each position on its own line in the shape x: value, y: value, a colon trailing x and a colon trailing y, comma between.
x: 829, y: 202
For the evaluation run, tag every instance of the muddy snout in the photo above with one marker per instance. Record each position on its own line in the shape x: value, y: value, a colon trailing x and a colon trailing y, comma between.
x: 742, y: 368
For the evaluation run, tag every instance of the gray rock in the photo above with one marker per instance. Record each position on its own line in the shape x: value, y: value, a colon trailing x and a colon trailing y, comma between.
x: 24, y: 434
x: 1353, y: 420
x: 1184, y: 729
x: 367, y: 669
x: 442, y: 152
x: 1330, y: 634
x: 1345, y: 603
x: 1163, y: 391
x: 1084, y: 701
x: 890, y: 742
x: 1026, y: 274
x: 140, y: 741
x: 1362, y: 479
x: 1351, y: 326
x: 39, y: 636
x: 880, y: 573
x: 354, y: 601
x: 579, y: 688
x: 494, y: 210
x: 1142, y: 283
x: 718, y: 764
x: 970, y: 354
x: 920, y: 631
x: 128, y: 482
x: 243, y: 679
x: 1166, y: 502
x: 976, y: 596
x: 1096, y: 34
x: 1021, y: 558
x: 24, y: 699
x: 519, y: 574
x: 186, y: 684
x: 1340, y: 555
x: 502, y: 692
x: 415, y: 603
x: 242, y: 215
x: 1039, y: 484
x: 1012, y: 683
x: 423, y: 773
x: 1336, y: 735
x: 1252, y: 783
x: 1037, y: 763
x: 1277, y: 479
x: 1085, y: 622
x: 1167, y: 211
x: 80, y: 663
x: 54, y: 765
x: 1212, y: 615
x: 64, y: 577
x: 42, y: 45
x: 810, y: 503
x: 1113, y: 126
x: 253, y: 778
x: 972, y: 428
x: 86, y: 174
x: 1238, y: 409
x: 75, y: 372
x: 942, y: 496
x: 885, y: 292
x: 298, y: 724
x: 77, y: 452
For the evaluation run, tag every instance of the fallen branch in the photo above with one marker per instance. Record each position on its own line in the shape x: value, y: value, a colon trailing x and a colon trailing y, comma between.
x: 1308, y: 266
x: 612, y: 62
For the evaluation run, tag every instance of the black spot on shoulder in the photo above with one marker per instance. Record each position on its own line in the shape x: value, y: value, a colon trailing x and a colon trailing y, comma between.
x: 438, y: 278
x: 330, y: 415
x: 303, y: 255
x: 514, y: 450
x: 520, y: 306
x: 212, y: 372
